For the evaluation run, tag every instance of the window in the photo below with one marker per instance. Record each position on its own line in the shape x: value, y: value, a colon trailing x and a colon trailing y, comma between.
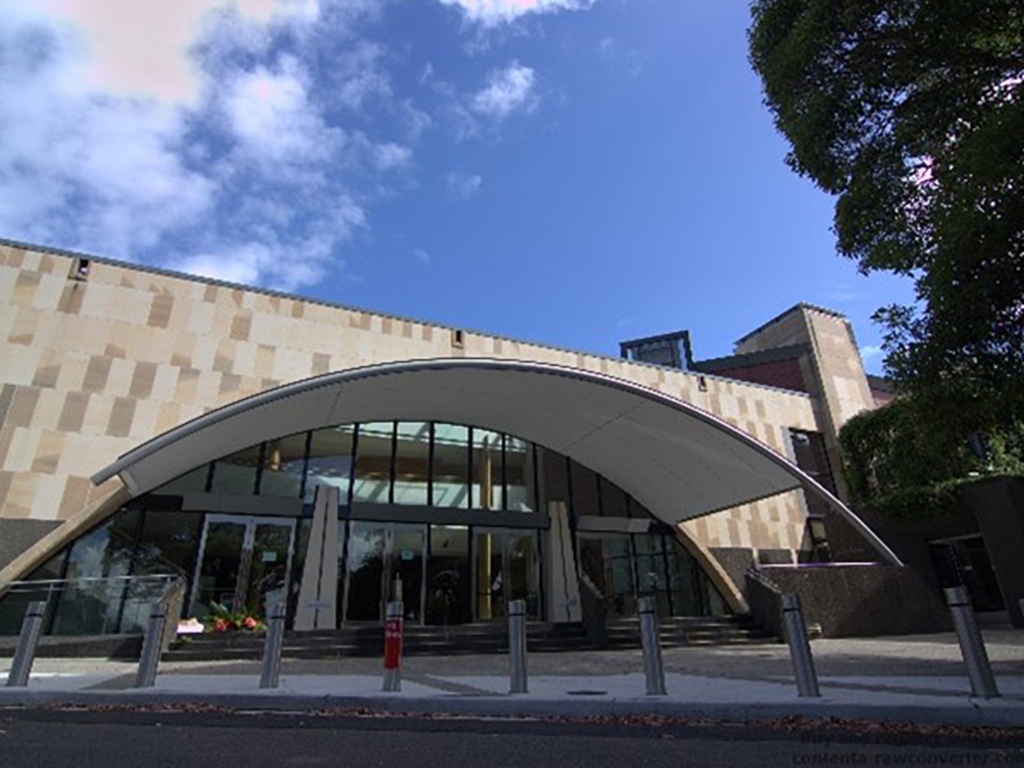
x: 520, y: 476
x: 451, y: 465
x: 236, y: 473
x: 283, y: 463
x: 412, y: 463
x: 373, y: 462
x: 488, y: 470
x: 330, y: 460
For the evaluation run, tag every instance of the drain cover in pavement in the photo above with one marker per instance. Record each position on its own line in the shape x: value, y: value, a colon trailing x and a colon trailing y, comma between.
x: 587, y: 693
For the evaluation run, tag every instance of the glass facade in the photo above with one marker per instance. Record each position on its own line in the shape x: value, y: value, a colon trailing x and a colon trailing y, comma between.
x: 452, y: 519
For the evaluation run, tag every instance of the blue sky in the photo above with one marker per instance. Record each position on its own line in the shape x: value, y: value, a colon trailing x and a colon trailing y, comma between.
x: 568, y: 171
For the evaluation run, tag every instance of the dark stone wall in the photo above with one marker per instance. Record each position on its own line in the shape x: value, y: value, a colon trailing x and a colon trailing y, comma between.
x: 18, y: 535
x: 998, y: 506
x: 735, y: 561
x: 856, y: 600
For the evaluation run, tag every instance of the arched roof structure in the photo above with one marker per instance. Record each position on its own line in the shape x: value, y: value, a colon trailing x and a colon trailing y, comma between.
x: 678, y: 460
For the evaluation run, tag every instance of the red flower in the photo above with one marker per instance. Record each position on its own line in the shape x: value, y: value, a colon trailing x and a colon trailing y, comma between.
x: 250, y: 623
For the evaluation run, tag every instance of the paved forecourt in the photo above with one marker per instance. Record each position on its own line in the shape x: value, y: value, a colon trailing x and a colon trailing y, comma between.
x: 918, y: 678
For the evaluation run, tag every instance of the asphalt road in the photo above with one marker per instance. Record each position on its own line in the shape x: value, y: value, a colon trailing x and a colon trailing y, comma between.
x: 116, y: 739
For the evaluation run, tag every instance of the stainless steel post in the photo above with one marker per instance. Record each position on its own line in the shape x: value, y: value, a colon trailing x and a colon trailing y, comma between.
x: 25, y: 655
x: 799, y: 647
x: 653, y: 669
x: 393, y: 647
x: 517, y: 646
x: 271, y: 675
x: 979, y: 670
x: 152, y: 646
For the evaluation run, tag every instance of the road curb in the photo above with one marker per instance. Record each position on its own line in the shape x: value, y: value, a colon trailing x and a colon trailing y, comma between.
x: 972, y: 713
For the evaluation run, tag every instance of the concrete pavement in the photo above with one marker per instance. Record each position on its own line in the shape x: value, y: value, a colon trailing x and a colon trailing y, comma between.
x: 919, y: 678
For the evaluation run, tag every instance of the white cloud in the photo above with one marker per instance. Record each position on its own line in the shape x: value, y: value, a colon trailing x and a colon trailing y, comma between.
x: 463, y: 185
x: 271, y: 115
x: 422, y: 255
x: 870, y: 351
x: 491, y: 13
x: 249, y: 181
x: 508, y: 90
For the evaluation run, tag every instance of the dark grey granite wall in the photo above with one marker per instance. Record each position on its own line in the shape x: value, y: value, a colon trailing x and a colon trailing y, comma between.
x: 854, y: 600
x: 998, y: 505
x: 18, y: 535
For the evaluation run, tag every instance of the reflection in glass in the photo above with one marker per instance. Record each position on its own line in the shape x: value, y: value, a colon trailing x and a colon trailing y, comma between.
x: 283, y: 462
x: 613, y: 500
x: 412, y: 463
x: 268, y: 569
x: 373, y: 462
x: 451, y: 465
x: 584, y: 490
x: 488, y: 471
x: 519, y: 476
x: 449, y: 586
x: 606, y: 561
x: 366, y: 545
x: 222, y: 559
x: 94, y: 608
x: 330, y: 461
x: 14, y: 604
x: 190, y: 482
x: 505, y: 563
x: 237, y: 473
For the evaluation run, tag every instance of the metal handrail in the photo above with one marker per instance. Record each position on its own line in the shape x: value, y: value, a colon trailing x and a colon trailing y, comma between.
x: 35, y: 583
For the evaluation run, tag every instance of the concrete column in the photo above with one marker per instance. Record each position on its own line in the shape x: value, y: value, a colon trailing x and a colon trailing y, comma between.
x: 318, y: 592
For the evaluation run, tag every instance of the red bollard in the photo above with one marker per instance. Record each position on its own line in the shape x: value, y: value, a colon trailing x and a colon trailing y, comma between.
x: 393, y: 647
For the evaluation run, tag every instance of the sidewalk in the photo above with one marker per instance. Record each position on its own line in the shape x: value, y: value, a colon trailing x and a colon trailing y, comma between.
x: 916, y: 678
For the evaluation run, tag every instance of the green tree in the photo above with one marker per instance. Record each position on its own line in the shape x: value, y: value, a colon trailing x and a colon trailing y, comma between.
x: 911, y: 112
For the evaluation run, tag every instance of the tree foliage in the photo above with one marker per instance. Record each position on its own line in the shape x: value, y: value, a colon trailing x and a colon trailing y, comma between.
x: 897, y: 461
x: 911, y: 112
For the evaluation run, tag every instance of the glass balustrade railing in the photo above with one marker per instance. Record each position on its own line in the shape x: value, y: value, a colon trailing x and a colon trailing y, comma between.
x: 111, y: 605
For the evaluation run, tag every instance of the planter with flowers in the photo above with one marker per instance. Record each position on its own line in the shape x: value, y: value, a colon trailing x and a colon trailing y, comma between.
x: 223, y: 619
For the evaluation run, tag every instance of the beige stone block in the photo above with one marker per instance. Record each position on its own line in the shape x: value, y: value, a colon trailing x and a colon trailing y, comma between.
x: 25, y: 288
x: 142, y: 380
x: 121, y: 416
x: 20, y: 496
x: 22, y: 407
x: 144, y: 425
x: 72, y: 415
x: 165, y: 384
x: 160, y: 310
x: 188, y: 385
x: 71, y: 371
x: 168, y: 417
x: 48, y: 409
x: 48, y: 451
x: 18, y: 364
x: 120, y: 379
x: 74, y: 497
x: 97, y: 415
x: 21, y: 450
x: 97, y: 374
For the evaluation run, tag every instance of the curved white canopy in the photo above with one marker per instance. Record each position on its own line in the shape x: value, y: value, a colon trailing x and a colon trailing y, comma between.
x: 677, y: 460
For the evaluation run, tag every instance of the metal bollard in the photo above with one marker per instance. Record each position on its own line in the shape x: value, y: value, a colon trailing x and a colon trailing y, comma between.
x: 152, y: 646
x: 979, y: 670
x: 517, y: 646
x: 799, y: 647
x: 653, y: 669
x: 393, y: 647
x: 271, y: 675
x: 25, y: 655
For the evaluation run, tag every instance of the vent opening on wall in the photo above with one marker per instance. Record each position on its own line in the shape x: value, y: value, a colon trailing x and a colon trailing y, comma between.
x: 458, y: 338
x: 80, y: 269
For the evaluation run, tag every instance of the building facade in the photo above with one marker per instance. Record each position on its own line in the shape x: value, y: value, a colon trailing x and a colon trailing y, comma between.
x: 153, y: 421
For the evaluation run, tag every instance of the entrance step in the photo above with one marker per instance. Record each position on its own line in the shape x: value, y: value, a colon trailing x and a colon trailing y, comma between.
x: 676, y: 632
x: 479, y: 638
x: 483, y: 638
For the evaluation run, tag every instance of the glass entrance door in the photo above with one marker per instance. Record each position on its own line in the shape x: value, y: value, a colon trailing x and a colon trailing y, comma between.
x: 385, y: 562
x: 244, y: 563
x: 606, y: 559
x: 505, y: 568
